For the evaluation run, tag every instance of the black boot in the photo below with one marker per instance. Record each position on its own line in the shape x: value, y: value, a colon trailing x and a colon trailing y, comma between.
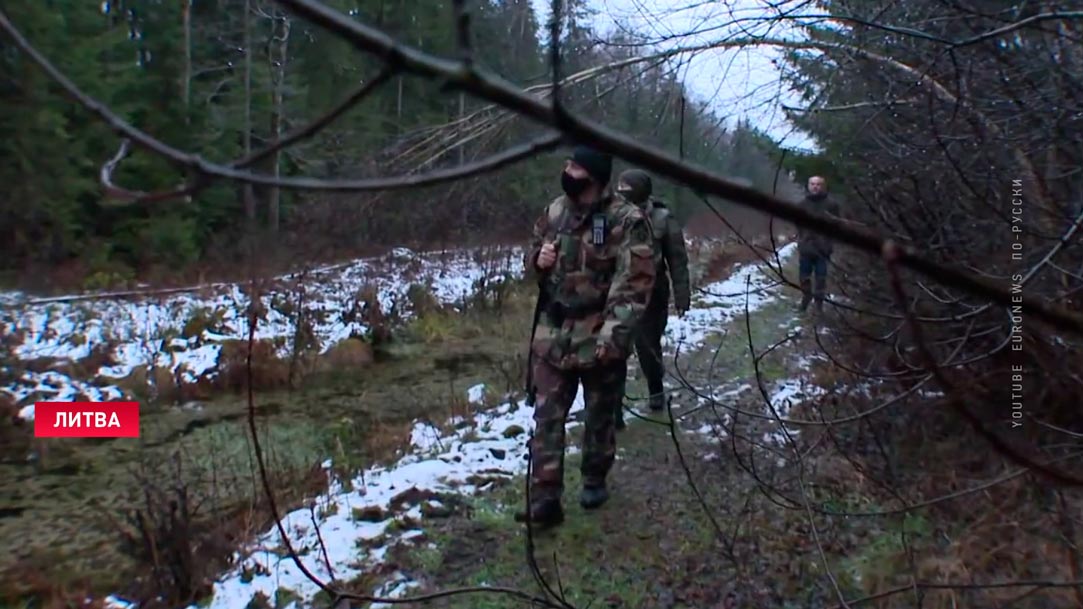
x: 544, y: 513
x: 821, y: 289
x: 658, y: 401
x: 593, y: 496
x: 806, y: 293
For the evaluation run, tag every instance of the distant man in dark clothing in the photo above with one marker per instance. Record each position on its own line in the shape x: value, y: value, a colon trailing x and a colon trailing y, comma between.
x: 814, y: 249
x: 671, y: 264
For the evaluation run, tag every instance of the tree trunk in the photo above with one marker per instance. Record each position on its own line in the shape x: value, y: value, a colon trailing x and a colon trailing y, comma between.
x: 398, y: 106
x: 249, y: 193
x: 677, y: 198
x: 186, y: 15
x: 278, y: 59
x: 462, y: 113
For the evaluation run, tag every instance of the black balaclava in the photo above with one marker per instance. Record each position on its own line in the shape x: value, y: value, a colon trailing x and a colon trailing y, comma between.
x: 638, y: 184
x: 573, y: 187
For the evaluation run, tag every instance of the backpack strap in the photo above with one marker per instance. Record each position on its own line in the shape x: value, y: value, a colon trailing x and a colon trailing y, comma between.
x: 659, y: 216
x: 556, y: 210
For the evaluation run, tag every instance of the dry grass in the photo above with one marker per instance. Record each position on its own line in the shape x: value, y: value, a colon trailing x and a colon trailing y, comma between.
x: 269, y: 371
x: 33, y: 579
x: 349, y: 355
x: 918, y: 450
x: 386, y: 439
x: 1008, y: 539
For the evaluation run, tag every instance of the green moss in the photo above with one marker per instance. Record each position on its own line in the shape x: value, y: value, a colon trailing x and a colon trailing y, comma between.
x: 285, y: 596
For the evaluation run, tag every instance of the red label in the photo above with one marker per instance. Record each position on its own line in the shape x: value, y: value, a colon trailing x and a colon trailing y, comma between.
x: 86, y: 419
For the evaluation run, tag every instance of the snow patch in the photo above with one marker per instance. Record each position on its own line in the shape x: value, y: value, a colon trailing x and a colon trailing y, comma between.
x: 492, y: 446
x: 722, y: 301
x: 399, y: 585
x: 784, y: 396
x: 476, y: 394
x: 183, y: 332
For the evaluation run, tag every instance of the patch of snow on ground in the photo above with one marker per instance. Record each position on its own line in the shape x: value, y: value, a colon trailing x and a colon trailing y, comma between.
x: 61, y: 388
x: 396, y: 588
x: 115, y: 602
x: 723, y: 300
x: 717, y: 403
x: 183, y: 332
x: 789, y: 393
x: 437, y: 462
x: 476, y: 394
x: 717, y: 427
x: 785, y: 395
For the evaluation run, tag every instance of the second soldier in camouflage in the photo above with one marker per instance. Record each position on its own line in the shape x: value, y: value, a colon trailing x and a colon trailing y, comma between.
x: 671, y: 264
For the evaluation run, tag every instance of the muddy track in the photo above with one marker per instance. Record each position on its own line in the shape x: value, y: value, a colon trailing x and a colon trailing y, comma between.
x: 477, y: 542
x: 687, y: 528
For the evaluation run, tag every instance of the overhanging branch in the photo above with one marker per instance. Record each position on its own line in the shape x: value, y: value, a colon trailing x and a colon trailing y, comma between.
x: 502, y: 92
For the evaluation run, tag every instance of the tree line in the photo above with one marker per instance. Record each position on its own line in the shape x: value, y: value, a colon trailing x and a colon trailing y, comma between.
x: 221, y: 78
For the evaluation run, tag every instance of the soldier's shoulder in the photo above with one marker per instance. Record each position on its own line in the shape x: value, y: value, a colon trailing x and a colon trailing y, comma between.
x: 554, y: 208
x: 636, y: 222
x: 625, y: 210
x: 557, y: 203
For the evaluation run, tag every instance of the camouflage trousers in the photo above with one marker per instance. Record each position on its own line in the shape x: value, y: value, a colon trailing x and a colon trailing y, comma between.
x: 648, y: 346
x: 556, y: 391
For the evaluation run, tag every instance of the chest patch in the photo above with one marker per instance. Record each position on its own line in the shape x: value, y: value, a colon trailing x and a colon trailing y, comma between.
x: 598, y: 226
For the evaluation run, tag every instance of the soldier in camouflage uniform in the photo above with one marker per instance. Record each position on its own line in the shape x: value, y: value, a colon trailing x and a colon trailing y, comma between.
x: 671, y: 264
x: 591, y: 255
x: 814, y: 249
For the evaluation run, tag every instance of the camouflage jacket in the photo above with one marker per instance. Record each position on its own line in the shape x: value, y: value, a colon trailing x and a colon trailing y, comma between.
x: 809, y: 242
x: 595, y: 294
x: 670, y: 256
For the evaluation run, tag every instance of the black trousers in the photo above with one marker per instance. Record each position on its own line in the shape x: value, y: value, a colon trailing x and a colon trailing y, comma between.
x: 648, y: 344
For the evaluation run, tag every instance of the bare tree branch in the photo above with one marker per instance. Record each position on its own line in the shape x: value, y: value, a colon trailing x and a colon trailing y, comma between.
x: 499, y: 91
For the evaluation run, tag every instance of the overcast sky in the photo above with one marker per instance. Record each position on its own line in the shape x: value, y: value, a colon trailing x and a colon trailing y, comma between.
x: 738, y: 82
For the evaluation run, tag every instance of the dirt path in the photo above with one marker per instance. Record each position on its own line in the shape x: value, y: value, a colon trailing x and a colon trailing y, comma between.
x: 404, y: 526
x: 657, y: 543
x: 687, y: 528
x: 734, y: 510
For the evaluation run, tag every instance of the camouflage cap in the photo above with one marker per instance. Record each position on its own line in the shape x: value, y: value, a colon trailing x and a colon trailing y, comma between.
x: 634, y: 185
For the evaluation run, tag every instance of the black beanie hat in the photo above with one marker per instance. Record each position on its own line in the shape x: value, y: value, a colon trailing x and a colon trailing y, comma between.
x: 598, y: 164
x: 639, y: 185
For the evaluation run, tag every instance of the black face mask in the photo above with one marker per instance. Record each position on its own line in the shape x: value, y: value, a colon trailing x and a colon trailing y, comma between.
x: 573, y: 187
